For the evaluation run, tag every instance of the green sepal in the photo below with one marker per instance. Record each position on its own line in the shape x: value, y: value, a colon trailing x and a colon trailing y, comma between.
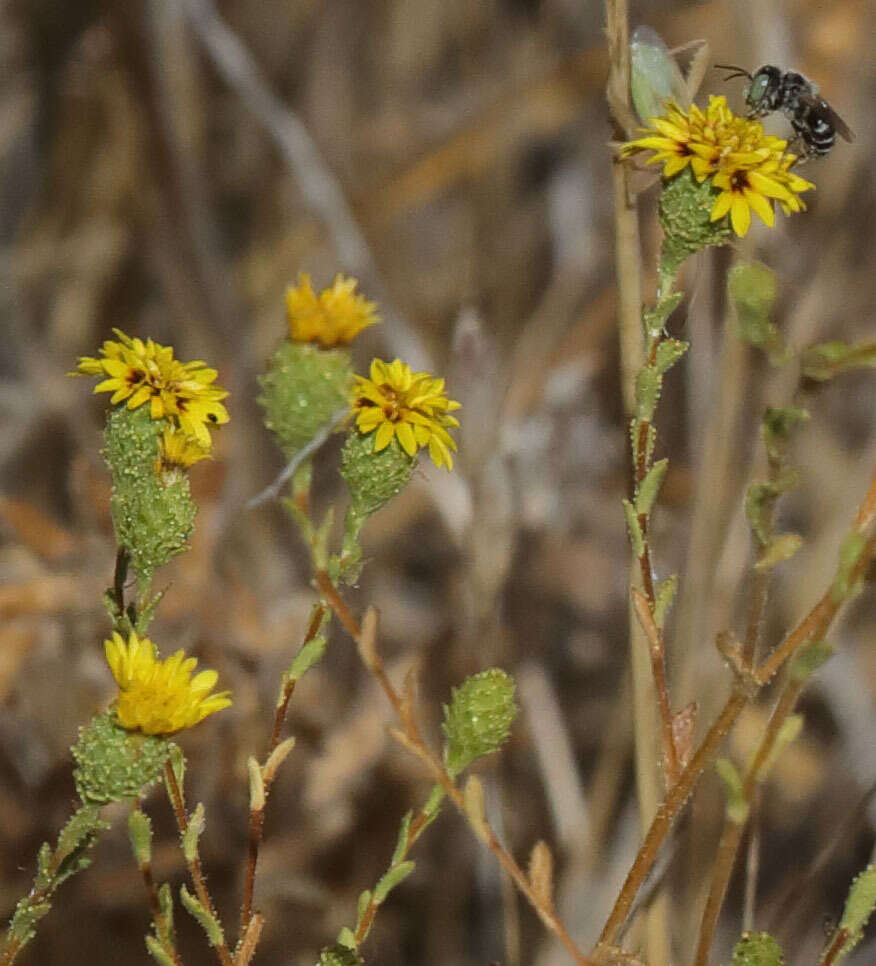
x: 851, y: 549
x: 390, y: 879
x: 823, y: 362
x: 758, y: 949
x: 478, y: 719
x: 737, y: 807
x: 650, y: 487
x: 779, y: 549
x: 809, y: 659
x: 637, y: 538
x: 664, y: 597
x: 203, y: 916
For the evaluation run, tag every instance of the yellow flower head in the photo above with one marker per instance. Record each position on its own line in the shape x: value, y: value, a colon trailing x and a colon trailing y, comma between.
x: 142, y: 372
x: 160, y: 697
x: 750, y: 168
x: 334, y: 317
x: 411, y: 407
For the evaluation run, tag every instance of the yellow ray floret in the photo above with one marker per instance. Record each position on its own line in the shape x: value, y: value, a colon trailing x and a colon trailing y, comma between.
x: 146, y: 372
x: 412, y: 407
x: 751, y: 169
x: 160, y: 697
x: 333, y: 317
x: 178, y: 451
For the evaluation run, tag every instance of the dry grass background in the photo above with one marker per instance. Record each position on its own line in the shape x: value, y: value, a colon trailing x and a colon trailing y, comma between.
x: 468, y: 139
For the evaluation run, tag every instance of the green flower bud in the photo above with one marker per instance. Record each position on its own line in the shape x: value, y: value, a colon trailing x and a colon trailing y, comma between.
x: 685, y: 209
x: 757, y: 949
x: 153, y: 521
x: 302, y: 390
x: 115, y: 764
x: 478, y: 718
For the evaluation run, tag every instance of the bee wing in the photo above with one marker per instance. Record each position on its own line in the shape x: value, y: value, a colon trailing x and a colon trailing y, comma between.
x: 821, y: 104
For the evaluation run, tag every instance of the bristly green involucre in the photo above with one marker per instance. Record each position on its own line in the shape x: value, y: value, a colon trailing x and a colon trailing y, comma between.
x: 758, y: 949
x: 478, y: 719
x: 153, y: 521
x: 302, y: 390
x: 685, y: 209
x: 114, y: 764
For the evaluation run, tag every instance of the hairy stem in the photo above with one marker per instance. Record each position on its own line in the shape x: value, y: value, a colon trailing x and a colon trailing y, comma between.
x: 194, y: 864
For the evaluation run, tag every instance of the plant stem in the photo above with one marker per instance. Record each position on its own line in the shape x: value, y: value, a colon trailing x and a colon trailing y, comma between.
x: 194, y: 864
x: 414, y: 742
x: 812, y: 627
x: 829, y: 956
x: 257, y: 815
x: 161, y: 925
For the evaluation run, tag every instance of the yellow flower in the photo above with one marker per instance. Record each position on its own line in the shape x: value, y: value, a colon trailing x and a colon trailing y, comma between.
x: 178, y: 451
x: 142, y: 372
x: 409, y: 406
x: 334, y: 317
x: 160, y: 697
x: 750, y: 168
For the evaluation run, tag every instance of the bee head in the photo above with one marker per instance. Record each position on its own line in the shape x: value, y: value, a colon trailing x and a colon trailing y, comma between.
x: 762, y: 92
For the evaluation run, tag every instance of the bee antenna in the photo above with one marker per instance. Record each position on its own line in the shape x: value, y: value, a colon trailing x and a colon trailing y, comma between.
x: 736, y: 71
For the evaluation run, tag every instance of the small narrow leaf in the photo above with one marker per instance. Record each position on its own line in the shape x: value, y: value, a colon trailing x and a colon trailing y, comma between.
x: 193, y: 832
x: 648, y: 385
x: 473, y: 797
x: 256, y: 785
x: 788, y: 732
x: 663, y: 599
x: 158, y: 952
x: 346, y: 938
x: 737, y: 807
x: 401, y: 845
x: 275, y: 759
x: 850, y: 553
x: 309, y: 655
x: 362, y: 906
x: 809, y: 659
x: 140, y: 832
x: 203, y: 916
x: 779, y: 549
x: 668, y: 353
x: 391, y: 879
x: 637, y: 539
x: 541, y: 873
x: 650, y: 487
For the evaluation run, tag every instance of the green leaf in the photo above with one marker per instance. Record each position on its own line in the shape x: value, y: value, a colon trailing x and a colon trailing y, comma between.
x: 823, y: 362
x: 311, y: 653
x: 158, y: 952
x: 737, y: 807
x: 650, y: 487
x: 850, y: 553
x: 648, y: 385
x: 779, y: 549
x: 402, y: 841
x: 788, y: 732
x: 361, y: 907
x: 165, y: 903
x: 140, y: 832
x: 859, y: 907
x: 347, y: 938
x: 664, y: 597
x: 196, y: 823
x: 809, y: 659
x: 752, y: 288
x: 669, y: 351
x: 637, y: 538
x: 391, y: 879
x: 203, y: 916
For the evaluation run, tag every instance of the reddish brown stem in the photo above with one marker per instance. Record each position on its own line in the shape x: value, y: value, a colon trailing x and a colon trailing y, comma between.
x: 257, y: 816
x: 840, y: 938
x: 194, y: 864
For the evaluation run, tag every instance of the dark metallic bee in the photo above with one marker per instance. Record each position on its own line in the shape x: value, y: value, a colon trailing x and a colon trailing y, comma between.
x: 816, y: 124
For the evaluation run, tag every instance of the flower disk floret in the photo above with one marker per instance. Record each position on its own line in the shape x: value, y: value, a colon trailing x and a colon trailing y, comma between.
x: 139, y: 372
x: 333, y: 317
x: 411, y: 407
x: 749, y: 169
x: 160, y: 697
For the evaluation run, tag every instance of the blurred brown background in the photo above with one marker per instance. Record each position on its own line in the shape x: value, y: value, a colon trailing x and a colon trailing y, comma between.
x: 169, y: 172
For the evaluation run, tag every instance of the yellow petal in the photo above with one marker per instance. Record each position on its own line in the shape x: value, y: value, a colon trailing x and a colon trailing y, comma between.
x: 383, y: 436
x: 740, y: 216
